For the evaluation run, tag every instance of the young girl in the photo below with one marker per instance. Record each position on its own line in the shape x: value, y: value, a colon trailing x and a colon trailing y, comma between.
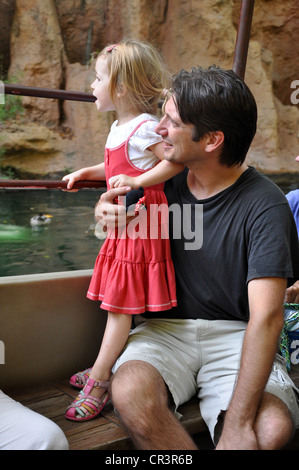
x: 131, y: 274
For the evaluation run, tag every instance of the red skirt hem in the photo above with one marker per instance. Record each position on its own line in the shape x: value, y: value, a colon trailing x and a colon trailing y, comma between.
x: 130, y: 310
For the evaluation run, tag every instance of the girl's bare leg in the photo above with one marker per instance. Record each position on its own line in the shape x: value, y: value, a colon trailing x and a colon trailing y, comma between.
x: 116, y: 333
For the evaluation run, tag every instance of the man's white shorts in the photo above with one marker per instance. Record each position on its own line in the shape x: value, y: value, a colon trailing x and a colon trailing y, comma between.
x: 202, y: 357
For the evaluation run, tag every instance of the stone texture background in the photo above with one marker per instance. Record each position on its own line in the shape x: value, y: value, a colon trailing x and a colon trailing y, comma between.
x: 52, y: 44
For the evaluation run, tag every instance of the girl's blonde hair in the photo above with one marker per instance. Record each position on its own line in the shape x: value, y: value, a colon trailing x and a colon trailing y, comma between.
x: 139, y: 67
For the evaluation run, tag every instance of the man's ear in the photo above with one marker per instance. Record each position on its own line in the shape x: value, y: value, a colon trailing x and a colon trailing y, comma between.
x: 214, y: 141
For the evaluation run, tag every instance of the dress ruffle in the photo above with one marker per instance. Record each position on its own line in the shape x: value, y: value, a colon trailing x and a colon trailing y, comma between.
x: 151, y: 282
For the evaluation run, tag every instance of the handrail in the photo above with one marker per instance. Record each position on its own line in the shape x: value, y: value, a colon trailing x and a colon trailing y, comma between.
x: 50, y: 184
x: 21, y: 90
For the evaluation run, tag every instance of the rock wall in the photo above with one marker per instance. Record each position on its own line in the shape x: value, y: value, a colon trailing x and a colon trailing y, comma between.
x: 53, y: 44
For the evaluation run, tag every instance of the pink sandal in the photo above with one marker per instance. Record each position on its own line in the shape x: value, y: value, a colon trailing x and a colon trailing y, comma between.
x: 86, y: 406
x: 80, y: 379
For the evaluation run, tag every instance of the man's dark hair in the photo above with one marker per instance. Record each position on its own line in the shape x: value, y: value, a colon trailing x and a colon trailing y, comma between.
x: 214, y: 99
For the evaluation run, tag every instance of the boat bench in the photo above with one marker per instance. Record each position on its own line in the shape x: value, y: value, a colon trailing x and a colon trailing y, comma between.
x: 106, y: 431
x: 102, y: 433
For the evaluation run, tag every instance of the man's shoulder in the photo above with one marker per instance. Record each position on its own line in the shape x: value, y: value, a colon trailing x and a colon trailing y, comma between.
x: 261, y: 186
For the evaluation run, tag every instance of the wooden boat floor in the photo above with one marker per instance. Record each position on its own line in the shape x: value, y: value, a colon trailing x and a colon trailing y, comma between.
x: 102, y: 433
x: 106, y: 431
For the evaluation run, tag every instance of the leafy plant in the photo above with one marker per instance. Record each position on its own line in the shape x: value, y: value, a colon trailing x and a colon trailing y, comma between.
x: 11, y: 109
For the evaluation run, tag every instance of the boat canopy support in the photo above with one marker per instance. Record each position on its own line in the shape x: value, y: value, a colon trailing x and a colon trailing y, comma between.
x: 243, y: 35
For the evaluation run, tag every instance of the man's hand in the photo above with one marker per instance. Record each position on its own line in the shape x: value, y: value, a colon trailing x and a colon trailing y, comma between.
x: 110, y: 214
x: 238, y: 439
x: 292, y: 294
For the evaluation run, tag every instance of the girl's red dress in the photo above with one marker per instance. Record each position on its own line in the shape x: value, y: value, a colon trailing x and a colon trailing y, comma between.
x: 134, y: 272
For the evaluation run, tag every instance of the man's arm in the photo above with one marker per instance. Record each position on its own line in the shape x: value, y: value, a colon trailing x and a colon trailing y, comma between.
x: 259, y: 347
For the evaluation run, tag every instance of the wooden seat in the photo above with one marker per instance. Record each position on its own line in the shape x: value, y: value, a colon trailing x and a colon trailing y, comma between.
x: 103, y: 432
x: 106, y: 432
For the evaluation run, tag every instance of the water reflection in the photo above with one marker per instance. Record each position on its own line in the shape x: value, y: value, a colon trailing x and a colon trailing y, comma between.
x: 65, y: 244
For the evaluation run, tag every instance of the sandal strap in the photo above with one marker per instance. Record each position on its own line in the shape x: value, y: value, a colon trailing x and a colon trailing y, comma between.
x: 84, y: 373
x: 91, y: 383
x: 88, y: 399
x: 81, y: 377
x: 101, y: 384
x: 86, y: 405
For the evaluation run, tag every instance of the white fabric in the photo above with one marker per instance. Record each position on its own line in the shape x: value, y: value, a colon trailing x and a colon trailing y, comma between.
x: 144, y: 137
x: 24, y: 429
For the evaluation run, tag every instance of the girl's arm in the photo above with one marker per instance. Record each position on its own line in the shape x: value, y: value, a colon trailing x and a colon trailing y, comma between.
x: 163, y: 171
x: 96, y: 172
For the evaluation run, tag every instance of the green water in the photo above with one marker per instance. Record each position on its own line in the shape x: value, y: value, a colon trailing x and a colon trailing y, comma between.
x: 65, y: 244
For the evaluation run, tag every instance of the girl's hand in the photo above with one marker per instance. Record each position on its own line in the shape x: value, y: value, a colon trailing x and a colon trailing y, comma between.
x: 96, y: 172
x: 71, y: 178
x: 123, y: 180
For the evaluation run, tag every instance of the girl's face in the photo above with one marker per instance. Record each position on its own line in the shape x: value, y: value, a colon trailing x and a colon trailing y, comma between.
x: 101, y: 87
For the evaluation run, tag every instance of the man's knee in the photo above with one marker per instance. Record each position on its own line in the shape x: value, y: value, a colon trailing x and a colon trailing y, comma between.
x: 137, y: 385
x: 274, y: 426
x: 140, y: 397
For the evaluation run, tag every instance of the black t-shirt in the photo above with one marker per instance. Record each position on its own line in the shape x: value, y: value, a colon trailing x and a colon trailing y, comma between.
x: 245, y: 232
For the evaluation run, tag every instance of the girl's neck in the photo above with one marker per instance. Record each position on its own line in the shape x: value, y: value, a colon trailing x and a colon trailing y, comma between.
x: 125, y: 112
x: 125, y: 117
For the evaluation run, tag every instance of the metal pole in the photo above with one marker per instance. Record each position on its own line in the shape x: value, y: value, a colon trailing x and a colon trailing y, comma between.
x: 18, y: 90
x: 243, y: 35
x: 21, y: 90
x: 50, y: 184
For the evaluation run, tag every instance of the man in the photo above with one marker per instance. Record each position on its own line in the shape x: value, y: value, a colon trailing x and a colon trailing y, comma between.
x: 221, y: 341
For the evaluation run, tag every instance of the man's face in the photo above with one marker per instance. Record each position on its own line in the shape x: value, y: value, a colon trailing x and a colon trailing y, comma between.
x: 177, y: 137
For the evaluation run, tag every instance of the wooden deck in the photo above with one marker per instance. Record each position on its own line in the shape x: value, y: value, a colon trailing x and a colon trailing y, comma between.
x: 102, y: 433
x: 106, y: 432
